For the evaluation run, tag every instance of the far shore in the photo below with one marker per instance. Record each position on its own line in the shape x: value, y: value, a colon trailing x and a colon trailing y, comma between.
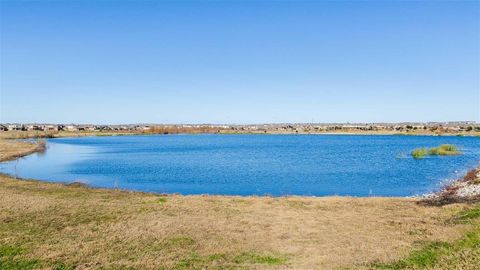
x: 63, y: 134
x: 69, y: 226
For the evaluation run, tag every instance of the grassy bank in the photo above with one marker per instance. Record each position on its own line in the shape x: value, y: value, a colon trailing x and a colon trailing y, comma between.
x: 47, y: 225
x: 10, y: 150
x: 57, y: 226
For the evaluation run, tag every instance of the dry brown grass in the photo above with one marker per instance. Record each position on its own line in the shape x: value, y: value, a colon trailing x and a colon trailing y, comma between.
x: 46, y: 225
x: 92, y: 227
x: 14, y: 149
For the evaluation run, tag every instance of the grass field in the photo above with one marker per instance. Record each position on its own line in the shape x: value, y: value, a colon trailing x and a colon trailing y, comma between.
x: 57, y: 226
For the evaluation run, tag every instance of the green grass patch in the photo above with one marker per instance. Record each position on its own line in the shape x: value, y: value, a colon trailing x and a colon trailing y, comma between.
x: 62, y: 266
x: 10, y: 251
x: 195, y: 261
x: 420, y: 259
x: 16, y: 258
x: 255, y: 258
x: 431, y: 254
x: 192, y: 262
x: 162, y: 200
x: 11, y: 258
x: 419, y: 153
x: 467, y: 216
x: 444, y: 150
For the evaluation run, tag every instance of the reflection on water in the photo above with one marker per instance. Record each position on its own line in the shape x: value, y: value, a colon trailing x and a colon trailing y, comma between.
x: 250, y: 164
x: 52, y: 164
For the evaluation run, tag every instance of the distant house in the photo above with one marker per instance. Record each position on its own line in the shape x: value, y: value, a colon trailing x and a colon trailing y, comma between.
x: 69, y: 128
x: 14, y: 127
x: 30, y: 127
x: 86, y: 128
x: 50, y: 128
x: 3, y: 128
x: 457, y: 128
x: 142, y: 128
x: 103, y: 128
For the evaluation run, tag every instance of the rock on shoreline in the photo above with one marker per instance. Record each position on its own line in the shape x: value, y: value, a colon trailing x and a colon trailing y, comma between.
x: 464, y: 190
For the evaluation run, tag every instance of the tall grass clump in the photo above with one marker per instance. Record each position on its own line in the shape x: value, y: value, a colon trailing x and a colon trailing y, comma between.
x: 444, y: 150
x: 41, y: 145
x: 419, y: 153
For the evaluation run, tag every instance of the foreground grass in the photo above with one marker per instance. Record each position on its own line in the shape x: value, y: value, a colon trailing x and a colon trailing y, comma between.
x: 53, y: 226
x: 463, y: 253
x: 14, y: 258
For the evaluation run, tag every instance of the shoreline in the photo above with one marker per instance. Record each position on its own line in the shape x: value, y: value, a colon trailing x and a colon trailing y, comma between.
x: 26, y: 148
x: 460, y: 190
x: 76, y: 184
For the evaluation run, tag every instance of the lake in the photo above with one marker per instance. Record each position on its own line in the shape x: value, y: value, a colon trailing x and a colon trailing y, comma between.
x: 277, y: 165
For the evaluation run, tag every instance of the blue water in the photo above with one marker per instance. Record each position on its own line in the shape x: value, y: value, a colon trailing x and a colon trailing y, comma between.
x: 251, y: 164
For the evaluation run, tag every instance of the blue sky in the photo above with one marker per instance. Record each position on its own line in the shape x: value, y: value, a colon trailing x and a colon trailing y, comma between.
x: 239, y: 61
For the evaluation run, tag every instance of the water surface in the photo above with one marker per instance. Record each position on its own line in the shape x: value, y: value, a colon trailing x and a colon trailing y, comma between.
x: 251, y: 164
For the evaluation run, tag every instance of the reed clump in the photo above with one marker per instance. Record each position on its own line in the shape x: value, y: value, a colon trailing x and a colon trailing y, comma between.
x: 419, y: 153
x: 444, y: 150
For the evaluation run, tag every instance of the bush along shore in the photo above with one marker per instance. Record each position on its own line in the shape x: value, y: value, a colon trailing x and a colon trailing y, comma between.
x: 442, y: 150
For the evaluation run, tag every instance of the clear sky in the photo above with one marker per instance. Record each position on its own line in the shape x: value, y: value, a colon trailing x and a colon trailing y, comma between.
x: 239, y: 61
